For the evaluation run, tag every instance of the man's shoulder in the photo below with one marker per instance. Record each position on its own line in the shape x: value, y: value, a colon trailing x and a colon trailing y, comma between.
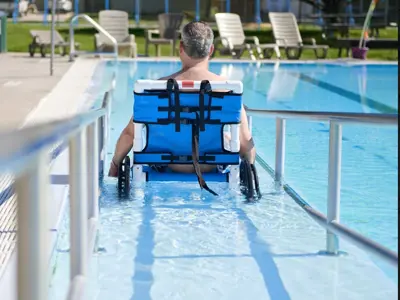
x: 179, y: 76
x: 216, y: 77
x: 174, y: 75
x: 165, y: 78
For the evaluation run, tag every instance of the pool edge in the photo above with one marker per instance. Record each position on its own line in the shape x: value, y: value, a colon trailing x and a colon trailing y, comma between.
x: 263, y: 61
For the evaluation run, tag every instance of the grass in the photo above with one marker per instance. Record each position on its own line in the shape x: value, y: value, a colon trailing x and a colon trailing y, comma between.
x: 19, y: 38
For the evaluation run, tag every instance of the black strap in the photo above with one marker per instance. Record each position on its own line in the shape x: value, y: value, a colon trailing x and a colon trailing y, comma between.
x: 172, y: 85
x: 256, y: 182
x: 195, y: 156
x: 205, y: 87
x: 185, y: 158
x: 189, y: 109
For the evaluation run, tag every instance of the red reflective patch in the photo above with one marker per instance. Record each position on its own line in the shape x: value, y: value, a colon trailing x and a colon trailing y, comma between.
x: 187, y: 84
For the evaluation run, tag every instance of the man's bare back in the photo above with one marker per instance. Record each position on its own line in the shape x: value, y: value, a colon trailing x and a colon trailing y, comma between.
x: 196, y: 74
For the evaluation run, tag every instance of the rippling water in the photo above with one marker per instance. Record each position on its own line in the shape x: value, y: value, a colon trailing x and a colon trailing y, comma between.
x: 174, y: 242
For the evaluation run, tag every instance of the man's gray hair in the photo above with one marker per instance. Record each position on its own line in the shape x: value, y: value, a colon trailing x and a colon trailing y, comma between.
x: 197, y: 38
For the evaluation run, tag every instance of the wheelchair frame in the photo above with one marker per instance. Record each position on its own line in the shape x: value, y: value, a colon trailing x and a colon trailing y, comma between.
x: 242, y: 174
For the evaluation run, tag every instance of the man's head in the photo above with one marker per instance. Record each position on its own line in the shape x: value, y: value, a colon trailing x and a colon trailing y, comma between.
x: 197, y: 41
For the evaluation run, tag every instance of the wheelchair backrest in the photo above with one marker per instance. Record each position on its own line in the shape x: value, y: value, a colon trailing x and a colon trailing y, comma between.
x: 177, y: 115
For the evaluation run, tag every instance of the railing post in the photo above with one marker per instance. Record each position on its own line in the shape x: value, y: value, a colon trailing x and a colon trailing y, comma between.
x: 335, y: 160
x: 280, y: 151
x: 106, y: 117
x: 32, y: 191
x: 93, y: 184
x: 108, y: 110
x: 78, y: 203
x: 100, y: 125
x: 103, y: 132
x: 71, y: 41
x: 93, y: 170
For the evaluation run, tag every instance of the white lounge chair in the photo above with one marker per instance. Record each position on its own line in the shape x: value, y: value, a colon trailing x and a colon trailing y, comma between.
x: 116, y: 23
x: 233, y: 39
x: 287, y: 35
x: 41, y: 39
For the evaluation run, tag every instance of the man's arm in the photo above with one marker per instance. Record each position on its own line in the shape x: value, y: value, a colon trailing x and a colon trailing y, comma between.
x: 122, y: 148
x: 247, y: 149
x: 125, y: 143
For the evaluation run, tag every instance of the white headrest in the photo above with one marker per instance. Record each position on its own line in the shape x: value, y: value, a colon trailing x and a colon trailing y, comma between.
x: 231, y: 85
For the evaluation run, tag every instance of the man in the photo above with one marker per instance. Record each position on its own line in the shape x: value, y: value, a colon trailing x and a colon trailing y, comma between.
x: 195, y: 50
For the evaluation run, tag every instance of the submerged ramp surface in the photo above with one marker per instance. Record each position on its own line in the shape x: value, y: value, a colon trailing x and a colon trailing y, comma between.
x: 173, y: 242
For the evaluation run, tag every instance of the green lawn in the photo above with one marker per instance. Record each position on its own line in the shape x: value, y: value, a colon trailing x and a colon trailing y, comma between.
x: 19, y: 38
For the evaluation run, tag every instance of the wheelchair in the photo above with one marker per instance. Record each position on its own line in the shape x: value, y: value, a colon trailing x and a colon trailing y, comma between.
x: 188, y: 123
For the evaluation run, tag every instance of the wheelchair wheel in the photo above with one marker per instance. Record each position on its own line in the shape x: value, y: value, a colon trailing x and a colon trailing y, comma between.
x: 256, y: 182
x: 124, y: 176
x: 249, y: 181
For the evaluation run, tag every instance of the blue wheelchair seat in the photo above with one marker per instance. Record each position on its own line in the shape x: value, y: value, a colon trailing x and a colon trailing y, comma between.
x: 185, y: 123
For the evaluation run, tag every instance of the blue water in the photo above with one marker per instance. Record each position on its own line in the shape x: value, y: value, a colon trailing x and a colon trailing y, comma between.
x: 178, y: 238
x: 370, y: 160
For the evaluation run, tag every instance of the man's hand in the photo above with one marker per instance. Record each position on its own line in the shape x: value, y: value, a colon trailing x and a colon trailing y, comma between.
x: 247, y: 149
x: 113, y: 172
x: 124, y: 145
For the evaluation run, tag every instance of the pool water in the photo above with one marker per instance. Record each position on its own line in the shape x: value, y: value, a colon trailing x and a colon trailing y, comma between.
x: 180, y: 222
x: 370, y: 159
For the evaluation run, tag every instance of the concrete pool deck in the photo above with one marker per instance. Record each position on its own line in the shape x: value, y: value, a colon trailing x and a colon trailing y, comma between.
x: 24, y: 82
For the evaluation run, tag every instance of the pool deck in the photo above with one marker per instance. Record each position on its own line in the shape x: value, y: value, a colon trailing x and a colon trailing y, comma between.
x: 24, y: 82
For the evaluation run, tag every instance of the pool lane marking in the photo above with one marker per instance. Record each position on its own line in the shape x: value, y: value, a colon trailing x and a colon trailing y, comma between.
x: 371, y: 103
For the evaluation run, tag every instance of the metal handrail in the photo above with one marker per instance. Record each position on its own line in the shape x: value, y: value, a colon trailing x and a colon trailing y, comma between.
x: 358, y: 118
x: 331, y: 222
x: 27, y: 143
x: 95, y: 25
x: 27, y: 157
x: 354, y: 237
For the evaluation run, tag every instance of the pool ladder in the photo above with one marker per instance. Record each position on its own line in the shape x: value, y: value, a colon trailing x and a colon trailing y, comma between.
x: 96, y: 25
